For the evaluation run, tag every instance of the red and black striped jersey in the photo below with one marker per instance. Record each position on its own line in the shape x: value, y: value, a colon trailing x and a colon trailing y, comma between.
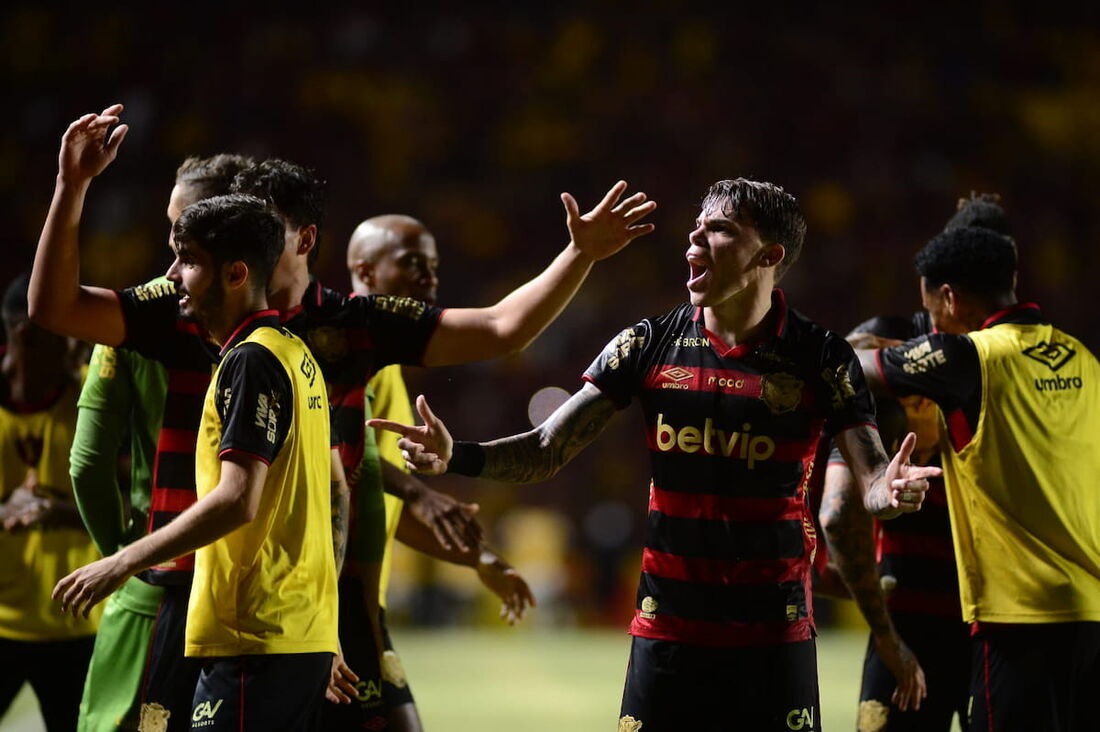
x: 732, y: 434
x: 351, y: 338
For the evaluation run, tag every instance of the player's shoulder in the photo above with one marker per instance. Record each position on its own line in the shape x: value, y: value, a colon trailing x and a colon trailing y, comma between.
x: 811, y: 339
x: 159, y: 289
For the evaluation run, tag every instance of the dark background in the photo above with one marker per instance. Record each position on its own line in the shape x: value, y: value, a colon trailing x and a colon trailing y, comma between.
x: 474, y: 118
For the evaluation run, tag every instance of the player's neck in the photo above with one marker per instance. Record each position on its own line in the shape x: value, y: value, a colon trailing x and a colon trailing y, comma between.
x: 290, y: 296
x: 234, y: 314
x: 742, y: 318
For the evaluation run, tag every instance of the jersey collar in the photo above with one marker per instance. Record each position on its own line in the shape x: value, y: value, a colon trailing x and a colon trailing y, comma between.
x: 778, y: 311
x: 1022, y: 312
x: 258, y: 319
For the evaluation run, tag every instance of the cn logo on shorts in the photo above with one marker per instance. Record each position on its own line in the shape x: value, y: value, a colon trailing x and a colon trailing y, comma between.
x: 203, y: 715
x: 800, y: 719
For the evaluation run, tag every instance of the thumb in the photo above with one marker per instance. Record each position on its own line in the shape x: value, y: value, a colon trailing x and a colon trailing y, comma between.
x: 572, y: 210
x: 471, y: 508
x: 117, y: 136
x: 425, y: 412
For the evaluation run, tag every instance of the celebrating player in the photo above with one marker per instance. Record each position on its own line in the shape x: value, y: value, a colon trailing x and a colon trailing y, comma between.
x: 263, y: 606
x: 1020, y: 404
x: 736, y: 391
x: 138, y: 668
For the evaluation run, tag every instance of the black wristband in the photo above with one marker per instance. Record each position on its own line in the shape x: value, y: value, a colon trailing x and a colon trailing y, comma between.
x: 467, y: 458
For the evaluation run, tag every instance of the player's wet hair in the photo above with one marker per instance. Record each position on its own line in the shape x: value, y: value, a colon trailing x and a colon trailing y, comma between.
x: 971, y: 258
x: 981, y: 209
x: 15, y: 298
x: 234, y: 228
x: 295, y: 191
x: 212, y: 176
x: 773, y: 212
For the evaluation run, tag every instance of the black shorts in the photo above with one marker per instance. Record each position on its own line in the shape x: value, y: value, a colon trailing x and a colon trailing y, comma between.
x: 54, y: 669
x: 170, y: 677
x: 280, y: 691
x: 378, y: 692
x: 1035, y: 678
x: 942, y: 646
x: 671, y: 687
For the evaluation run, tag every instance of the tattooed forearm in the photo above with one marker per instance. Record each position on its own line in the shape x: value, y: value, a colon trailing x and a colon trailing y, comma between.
x: 862, y: 449
x: 542, y: 452
x: 849, y: 535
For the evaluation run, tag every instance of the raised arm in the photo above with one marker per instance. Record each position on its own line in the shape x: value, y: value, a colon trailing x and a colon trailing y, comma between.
x: 849, y: 534
x: 478, y: 334
x: 887, y: 487
x: 56, y: 299
x: 233, y: 503
x: 524, y: 458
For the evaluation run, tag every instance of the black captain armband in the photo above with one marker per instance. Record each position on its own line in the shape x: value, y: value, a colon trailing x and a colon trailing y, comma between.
x: 467, y: 458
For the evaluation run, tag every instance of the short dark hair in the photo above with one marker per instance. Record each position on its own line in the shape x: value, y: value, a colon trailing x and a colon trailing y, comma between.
x: 981, y: 209
x: 234, y: 228
x: 295, y: 191
x: 972, y: 258
x: 770, y: 209
x: 212, y: 176
x: 15, y: 297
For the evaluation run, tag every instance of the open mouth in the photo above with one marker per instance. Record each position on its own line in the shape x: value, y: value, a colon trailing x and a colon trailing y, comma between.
x: 699, y: 270
x: 185, y: 301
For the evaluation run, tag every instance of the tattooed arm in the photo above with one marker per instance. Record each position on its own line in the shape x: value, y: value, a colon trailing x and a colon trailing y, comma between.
x: 341, y: 508
x: 888, y: 487
x: 524, y: 458
x: 849, y: 535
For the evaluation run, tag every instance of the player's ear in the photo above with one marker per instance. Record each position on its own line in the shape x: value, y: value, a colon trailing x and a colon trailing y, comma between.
x: 235, y: 273
x: 950, y: 298
x: 772, y: 255
x: 307, y: 239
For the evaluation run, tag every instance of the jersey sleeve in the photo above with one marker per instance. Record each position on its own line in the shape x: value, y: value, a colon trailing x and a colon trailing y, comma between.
x: 107, y: 387
x: 255, y: 402
x: 399, y: 328
x: 150, y: 312
x: 940, y: 366
x: 616, y: 371
x: 843, y: 388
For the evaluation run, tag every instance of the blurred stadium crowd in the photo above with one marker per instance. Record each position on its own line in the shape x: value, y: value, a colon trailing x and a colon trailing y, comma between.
x: 473, y: 119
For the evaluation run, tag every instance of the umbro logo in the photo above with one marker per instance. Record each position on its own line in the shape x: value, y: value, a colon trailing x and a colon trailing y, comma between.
x: 677, y: 373
x: 1052, y: 355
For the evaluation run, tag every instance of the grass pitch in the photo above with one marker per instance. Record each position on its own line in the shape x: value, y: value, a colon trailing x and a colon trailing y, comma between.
x: 535, y: 680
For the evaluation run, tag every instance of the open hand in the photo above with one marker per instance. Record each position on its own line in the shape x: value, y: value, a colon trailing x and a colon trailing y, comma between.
x: 86, y: 149
x: 341, y: 682
x: 426, y: 448
x: 507, y: 584
x: 452, y: 521
x: 82, y: 590
x: 611, y: 225
x: 903, y: 664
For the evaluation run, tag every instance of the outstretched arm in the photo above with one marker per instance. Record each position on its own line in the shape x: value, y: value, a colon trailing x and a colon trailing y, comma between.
x: 888, y: 488
x: 524, y: 458
x: 849, y: 533
x: 56, y: 300
x: 479, y: 334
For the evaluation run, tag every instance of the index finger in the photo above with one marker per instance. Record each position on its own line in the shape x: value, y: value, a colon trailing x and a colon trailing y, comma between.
x: 384, y: 424
x: 906, y: 448
x: 612, y: 195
